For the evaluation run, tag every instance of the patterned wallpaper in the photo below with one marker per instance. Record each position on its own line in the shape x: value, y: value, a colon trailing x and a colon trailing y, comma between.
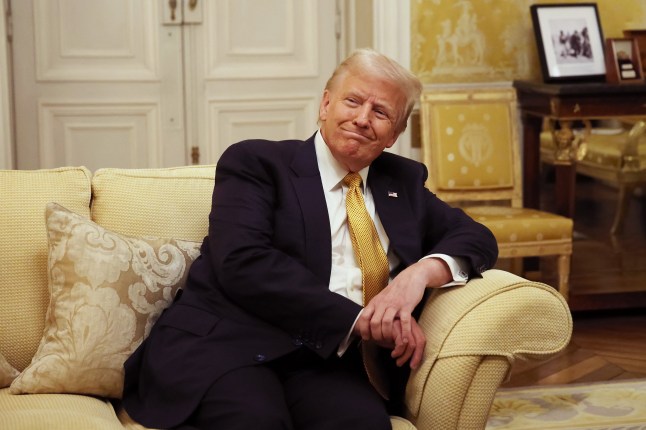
x: 493, y: 40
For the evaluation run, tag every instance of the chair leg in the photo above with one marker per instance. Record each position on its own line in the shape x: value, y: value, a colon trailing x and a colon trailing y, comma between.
x: 623, y: 201
x: 516, y: 266
x: 564, y: 275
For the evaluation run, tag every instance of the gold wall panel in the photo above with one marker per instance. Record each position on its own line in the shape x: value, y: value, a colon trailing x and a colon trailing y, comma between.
x: 468, y: 41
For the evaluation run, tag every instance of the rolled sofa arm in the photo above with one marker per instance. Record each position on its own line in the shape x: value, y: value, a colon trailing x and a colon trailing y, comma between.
x: 474, y: 335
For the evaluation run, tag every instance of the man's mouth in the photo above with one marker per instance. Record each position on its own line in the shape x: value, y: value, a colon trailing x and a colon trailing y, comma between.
x: 357, y: 135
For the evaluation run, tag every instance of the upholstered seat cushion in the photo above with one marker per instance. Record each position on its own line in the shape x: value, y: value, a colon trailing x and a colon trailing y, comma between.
x: 56, y: 411
x: 522, y: 224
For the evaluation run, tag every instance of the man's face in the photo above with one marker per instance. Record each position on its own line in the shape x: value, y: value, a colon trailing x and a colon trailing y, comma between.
x: 360, y: 117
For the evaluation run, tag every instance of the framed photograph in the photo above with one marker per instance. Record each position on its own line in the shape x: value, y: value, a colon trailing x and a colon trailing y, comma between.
x: 623, y: 63
x: 570, y: 42
x: 640, y: 36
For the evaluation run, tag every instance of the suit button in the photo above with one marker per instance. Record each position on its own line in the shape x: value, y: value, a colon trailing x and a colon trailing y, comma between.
x: 318, y: 345
x: 298, y: 341
x: 260, y: 358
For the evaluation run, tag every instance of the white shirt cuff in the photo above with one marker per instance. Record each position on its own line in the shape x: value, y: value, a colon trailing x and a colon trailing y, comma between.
x: 345, y: 343
x: 457, y: 265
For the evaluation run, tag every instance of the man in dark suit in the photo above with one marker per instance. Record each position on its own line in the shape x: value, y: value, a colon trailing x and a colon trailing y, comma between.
x: 265, y: 333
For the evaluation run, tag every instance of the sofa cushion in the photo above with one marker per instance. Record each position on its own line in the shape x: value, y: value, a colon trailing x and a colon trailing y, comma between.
x: 166, y: 202
x: 7, y: 372
x: 56, y: 411
x: 107, y: 290
x: 23, y: 251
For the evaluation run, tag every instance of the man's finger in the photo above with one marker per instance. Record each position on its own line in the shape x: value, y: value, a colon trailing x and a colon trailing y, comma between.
x: 405, y: 319
x: 399, y: 350
x: 418, y: 354
x: 408, y: 352
x: 387, y: 324
x: 363, y: 323
x: 376, y: 323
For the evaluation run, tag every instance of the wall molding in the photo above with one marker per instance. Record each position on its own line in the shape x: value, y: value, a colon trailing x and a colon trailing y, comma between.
x: 293, y: 57
x: 138, y: 119
x: 58, y: 59
x: 286, y: 116
x: 391, y: 34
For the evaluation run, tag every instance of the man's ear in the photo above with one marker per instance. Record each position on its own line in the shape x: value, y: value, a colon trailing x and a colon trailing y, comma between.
x: 325, y: 102
x: 395, y: 137
x: 400, y: 129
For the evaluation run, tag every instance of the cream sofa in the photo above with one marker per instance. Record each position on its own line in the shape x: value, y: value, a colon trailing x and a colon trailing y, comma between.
x: 82, y: 281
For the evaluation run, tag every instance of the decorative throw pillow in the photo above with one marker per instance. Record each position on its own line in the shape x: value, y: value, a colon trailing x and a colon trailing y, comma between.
x: 107, y: 290
x: 7, y: 372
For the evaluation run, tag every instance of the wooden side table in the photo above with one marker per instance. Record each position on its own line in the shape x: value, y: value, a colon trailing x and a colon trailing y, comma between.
x: 565, y: 103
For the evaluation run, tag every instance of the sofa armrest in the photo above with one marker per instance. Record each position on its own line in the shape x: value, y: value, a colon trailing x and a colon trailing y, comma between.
x: 474, y: 335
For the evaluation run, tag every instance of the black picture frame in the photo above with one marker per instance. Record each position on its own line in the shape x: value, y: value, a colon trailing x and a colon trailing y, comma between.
x: 570, y: 42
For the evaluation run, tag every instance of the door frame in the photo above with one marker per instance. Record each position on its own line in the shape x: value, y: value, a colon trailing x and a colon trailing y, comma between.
x: 6, y: 104
x: 391, y: 36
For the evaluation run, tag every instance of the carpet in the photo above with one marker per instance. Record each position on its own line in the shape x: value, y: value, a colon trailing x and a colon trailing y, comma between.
x: 617, y: 405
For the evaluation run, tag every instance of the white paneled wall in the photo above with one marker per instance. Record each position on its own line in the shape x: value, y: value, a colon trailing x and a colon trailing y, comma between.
x: 122, y: 83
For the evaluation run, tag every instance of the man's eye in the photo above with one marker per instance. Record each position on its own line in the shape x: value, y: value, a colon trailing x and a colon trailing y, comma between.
x: 352, y: 101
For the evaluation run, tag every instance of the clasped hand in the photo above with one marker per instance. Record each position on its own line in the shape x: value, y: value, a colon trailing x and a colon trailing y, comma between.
x: 387, y: 320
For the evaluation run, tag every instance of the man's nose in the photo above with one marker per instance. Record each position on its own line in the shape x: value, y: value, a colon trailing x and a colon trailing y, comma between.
x: 362, y: 117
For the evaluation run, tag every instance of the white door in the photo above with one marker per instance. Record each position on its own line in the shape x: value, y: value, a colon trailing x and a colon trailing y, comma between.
x: 147, y: 83
x: 97, y: 83
x: 259, y: 70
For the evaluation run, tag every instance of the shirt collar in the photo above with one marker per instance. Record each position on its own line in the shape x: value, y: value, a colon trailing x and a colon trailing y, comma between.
x: 332, y: 172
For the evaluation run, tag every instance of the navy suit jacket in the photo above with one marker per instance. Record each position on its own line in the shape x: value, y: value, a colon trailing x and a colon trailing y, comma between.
x: 260, y: 289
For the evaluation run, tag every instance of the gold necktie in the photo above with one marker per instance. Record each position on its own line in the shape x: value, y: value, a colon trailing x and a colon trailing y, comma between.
x: 366, y: 244
x: 374, y: 270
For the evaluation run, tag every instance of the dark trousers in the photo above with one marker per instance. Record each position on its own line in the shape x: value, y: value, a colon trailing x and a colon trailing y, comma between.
x: 300, y: 391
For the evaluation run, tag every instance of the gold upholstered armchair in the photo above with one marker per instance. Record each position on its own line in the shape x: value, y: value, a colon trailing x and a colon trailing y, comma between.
x: 614, y: 155
x: 471, y: 146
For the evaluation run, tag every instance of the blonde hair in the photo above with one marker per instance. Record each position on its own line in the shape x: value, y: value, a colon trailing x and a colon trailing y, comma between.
x: 368, y: 60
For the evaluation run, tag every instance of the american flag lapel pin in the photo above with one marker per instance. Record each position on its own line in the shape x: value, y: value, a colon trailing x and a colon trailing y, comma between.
x: 392, y: 194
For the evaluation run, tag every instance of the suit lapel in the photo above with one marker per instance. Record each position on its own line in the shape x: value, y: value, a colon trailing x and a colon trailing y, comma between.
x: 392, y: 204
x: 309, y: 191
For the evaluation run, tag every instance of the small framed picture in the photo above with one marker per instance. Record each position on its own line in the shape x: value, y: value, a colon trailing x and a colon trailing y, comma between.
x: 623, y: 62
x: 570, y: 41
x: 640, y: 36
